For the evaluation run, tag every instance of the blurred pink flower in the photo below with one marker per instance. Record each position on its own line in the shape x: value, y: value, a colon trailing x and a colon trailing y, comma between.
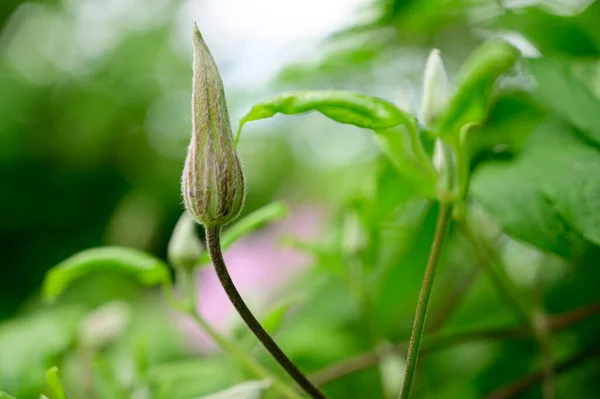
x: 259, y: 267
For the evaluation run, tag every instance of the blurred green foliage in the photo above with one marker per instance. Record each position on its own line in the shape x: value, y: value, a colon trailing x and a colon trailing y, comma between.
x: 91, y: 150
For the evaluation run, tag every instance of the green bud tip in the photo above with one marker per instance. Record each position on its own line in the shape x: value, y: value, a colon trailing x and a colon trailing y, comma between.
x: 184, y: 247
x: 213, y: 185
x: 436, y: 89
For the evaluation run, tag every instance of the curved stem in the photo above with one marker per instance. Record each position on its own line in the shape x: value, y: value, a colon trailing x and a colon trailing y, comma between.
x: 443, y: 222
x: 213, y: 238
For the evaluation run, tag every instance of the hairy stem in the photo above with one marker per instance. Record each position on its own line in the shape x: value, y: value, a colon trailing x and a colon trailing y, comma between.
x: 442, y: 225
x: 213, y: 238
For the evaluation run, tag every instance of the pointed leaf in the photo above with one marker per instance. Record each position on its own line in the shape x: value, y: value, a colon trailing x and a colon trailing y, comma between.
x: 54, y: 386
x: 147, y: 269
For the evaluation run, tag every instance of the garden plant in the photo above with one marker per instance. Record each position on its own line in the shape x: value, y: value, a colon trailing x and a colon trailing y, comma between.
x: 445, y: 163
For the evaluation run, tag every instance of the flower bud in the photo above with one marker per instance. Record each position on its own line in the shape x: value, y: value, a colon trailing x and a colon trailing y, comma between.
x: 213, y: 181
x: 436, y: 90
x: 184, y: 247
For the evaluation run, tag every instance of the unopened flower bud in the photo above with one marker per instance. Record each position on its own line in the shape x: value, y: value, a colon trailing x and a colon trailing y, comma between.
x: 436, y: 90
x: 213, y: 181
x: 184, y: 247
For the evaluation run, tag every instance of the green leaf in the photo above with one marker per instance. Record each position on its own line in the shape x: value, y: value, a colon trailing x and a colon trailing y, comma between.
x: 567, y: 170
x: 397, y: 144
x: 477, y: 76
x: 245, y: 390
x: 547, y: 197
x: 342, y: 106
x: 54, y: 386
x: 268, y: 213
x: 147, y: 269
x: 4, y: 395
x: 567, y: 95
x: 507, y: 193
x: 396, y: 130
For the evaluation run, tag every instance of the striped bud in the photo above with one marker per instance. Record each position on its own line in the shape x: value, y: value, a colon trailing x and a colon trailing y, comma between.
x: 213, y: 181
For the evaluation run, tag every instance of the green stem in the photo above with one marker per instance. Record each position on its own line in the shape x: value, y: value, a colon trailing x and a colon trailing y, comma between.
x: 443, y: 223
x: 213, y: 238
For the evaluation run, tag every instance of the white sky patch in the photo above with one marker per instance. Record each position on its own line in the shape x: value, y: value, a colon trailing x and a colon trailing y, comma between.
x: 253, y: 40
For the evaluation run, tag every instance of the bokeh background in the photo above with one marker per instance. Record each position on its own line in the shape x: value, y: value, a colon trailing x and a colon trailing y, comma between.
x: 94, y: 124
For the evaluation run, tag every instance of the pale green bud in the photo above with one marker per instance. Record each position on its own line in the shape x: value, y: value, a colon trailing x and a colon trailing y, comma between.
x: 184, y: 247
x: 436, y: 89
x: 213, y: 181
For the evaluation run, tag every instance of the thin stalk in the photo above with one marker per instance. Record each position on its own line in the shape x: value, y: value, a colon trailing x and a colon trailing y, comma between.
x: 188, y: 307
x: 442, y: 225
x: 213, y: 238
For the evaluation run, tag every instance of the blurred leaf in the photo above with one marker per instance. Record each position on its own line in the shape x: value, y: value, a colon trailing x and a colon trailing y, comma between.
x: 105, y: 382
x: 268, y: 213
x: 245, y: 390
x: 147, y: 269
x: 556, y: 35
x: 274, y: 317
x: 54, y: 386
x: 28, y: 344
x: 396, y: 143
x: 512, y: 118
x: 566, y: 169
x: 4, y: 395
x: 522, y: 210
x: 548, y: 196
x: 567, y: 95
x: 342, y: 106
x: 474, y: 83
x: 192, y: 378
